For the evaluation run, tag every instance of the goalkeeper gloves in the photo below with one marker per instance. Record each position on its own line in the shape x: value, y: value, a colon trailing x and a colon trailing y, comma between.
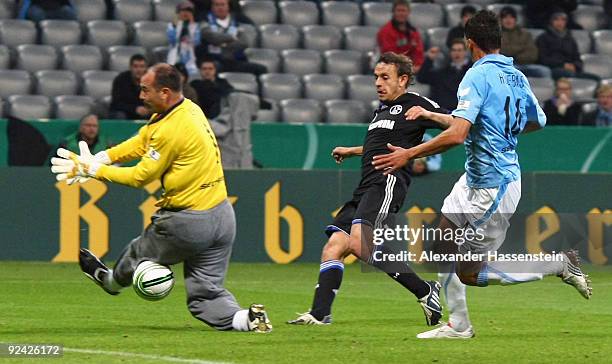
x: 77, y: 168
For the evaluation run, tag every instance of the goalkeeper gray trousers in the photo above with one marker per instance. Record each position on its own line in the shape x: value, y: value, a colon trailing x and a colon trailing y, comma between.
x: 203, y: 241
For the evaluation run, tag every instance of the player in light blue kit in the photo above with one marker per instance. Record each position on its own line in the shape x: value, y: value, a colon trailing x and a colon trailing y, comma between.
x: 495, y: 105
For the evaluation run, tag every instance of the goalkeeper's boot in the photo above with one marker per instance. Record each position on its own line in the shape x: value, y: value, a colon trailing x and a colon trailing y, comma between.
x: 446, y: 331
x: 258, y: 319
x: 94, y: 269
x: 431, y: 304
x: 308, y: 319
x: 573, y: 275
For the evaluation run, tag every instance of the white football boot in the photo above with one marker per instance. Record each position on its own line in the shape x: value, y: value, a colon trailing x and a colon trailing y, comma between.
x: 445, y: 331
x: 573, y: 275
x: 308, y: 319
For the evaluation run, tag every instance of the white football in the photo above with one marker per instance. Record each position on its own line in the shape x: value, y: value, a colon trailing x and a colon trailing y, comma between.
x: 152, y: 281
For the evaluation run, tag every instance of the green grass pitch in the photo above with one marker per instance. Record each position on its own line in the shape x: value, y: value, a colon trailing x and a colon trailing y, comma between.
x: 375, y: 320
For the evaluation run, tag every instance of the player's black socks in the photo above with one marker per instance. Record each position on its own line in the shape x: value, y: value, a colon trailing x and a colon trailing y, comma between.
x: 399, y: 271
x: 330, y: 278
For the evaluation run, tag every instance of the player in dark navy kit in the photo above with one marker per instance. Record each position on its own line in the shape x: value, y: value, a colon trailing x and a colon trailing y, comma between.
x: 378, y: 197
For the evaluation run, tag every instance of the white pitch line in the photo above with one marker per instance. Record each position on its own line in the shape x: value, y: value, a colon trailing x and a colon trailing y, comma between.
x: 596, y: 150
x: 171, y: 359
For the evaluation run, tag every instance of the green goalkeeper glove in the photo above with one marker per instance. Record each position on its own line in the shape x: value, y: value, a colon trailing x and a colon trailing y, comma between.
x: 77, y: 168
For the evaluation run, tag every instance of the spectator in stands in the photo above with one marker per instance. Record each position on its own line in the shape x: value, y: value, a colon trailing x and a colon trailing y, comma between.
x: 602, y: 116
x: 202, y: 7
x: 38, y: 10
x: 458, y: 31
x: 89, y: 131
x: 223, y: 41
x: 559, y: 50
x: 126, y: 102
x: 538, y: 12
x: 518, y: 44
x: 188, y: 91
x: 183, y: 36
x: 425, y: 165
x: 211, y: 89
x: 399, y: 36
x: 445, y: 81
x: 561, y: 108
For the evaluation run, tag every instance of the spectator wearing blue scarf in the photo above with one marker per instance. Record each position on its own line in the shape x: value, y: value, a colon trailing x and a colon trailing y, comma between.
x: 223, y: 41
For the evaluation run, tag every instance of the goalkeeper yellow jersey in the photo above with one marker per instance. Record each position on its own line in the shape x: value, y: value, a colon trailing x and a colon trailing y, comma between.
x: 179, y: 148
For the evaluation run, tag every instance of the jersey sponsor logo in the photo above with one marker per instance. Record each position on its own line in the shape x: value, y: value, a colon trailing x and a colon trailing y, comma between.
x: 384, y: 124
x: 153, y: 154
x: 463, y: 105
x: 211, y: 184
x: 395, y: 109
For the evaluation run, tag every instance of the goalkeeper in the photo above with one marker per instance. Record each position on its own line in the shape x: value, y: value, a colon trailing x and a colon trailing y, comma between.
x: 195, y: 223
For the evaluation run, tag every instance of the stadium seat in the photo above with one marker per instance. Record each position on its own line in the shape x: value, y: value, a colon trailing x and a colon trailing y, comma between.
x: 606, y: 81
x: 590, y: 17
x: 278, y: 86
x: 301, y: 61
x: 250, y: 33
x: 425, y: 16
x: 271, y: 115
x: 482, y: 2
x: 279, y: 36
x: 56, y: 82
x: 106, y: 33
x: 376, y: 14
x: 98, y: 84
x: 88, y: 10
x: 7, y: 11
x: 598, y: 64
x: 420, y: 88
x: 102, y: 106
x: 345, y: 111
x: 159, y: 54
x: 340, y: 13
x: 131, y: 11
x: 535, y: 32
x: 496, y: 8
x: 34, y: 57
x: 543, y: 88
x: 119, y: 56
x: 73, y: 106
x: 264, y: 56
x: 323, y: 87
x: 588, y: 107
x: 14, y: 82
x: 583, y: 39
x: 453, y: 12
x: 360, y: 38
x: 343, y: 62
x: 361, y: 87
x: 165, y: 10
x: 5, y: 57
x: 603, y: 42
x: 583, y: 88
x: 60, y: 32
x: 322, y: 37
x: 437, y: 38
x: 260, y: 11
x: 150, y: 34
x: 14, y: 32
x: 301, y: 111
x: 298, y: 13
x: 78, y: 58
x: 29, y: 107
x: 241, y: 81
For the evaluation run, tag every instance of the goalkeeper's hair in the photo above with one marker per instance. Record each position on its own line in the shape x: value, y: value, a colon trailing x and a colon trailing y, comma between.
x: 484, y: 29
x: 167, y: 76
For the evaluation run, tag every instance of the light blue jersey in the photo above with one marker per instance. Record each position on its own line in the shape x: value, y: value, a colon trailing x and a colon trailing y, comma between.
x: 497, y: 99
